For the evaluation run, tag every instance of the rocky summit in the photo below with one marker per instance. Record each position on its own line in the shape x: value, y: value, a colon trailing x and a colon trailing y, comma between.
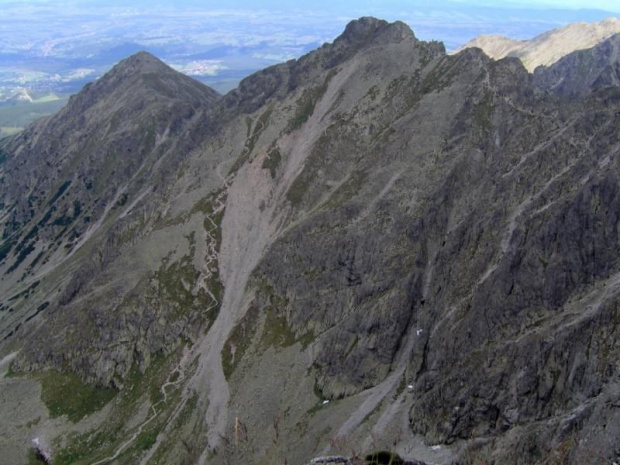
x: 376, y: 252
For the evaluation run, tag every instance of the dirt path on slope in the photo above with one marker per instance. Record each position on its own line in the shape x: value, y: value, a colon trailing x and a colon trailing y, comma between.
x: 155, y: 409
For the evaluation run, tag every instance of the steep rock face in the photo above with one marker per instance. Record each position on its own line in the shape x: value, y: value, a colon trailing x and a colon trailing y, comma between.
x: 356, y: 290
x: 374, y: 246
x: 456, y: 250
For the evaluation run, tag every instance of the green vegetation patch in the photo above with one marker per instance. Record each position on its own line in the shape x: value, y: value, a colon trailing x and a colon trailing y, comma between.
x: 259, y: 128
x: 276, y: 330
x: 483, y: 112
x: 441, y: 76
x: 21, y: 256
x: 149, y: 138
x: 32, y: 234
x: 373, y: 93
x: 347, y: 190
x: 5, y: 248
x: 252, y: 138
x: 146, y: 440
x: 213, y: 226
x: 64, y: 394
x: 239, y: 162
x: 319, y: 158
x: 82, y: 447
x: 111, y: 162
x: 272, y: 161
x: 239, y: 341
x: 383, y: 457
x: 187, y: 427
x: 26, y: 292
x: 67, y: 218
x: 138, y: 383
x: 10, y: 373
x: 307, y: 102
x: 34, y: 458
x: 318, y: 393
x: 176, y: 284
x: 48, y: 215
x: 316, y: 161
x: 298, y: 189
x: 305, y: 108
x: 87, y: 448
x: 61, y: 190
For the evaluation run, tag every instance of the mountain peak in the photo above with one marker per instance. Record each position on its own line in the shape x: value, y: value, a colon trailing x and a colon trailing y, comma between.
x: 141, y: 63
x: 141, y: 57
x: 362, y: 28
x: 139, y: 78
x: 370, y: 30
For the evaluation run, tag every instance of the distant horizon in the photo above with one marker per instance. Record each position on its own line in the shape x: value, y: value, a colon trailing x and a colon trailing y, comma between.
x: 54, y: 46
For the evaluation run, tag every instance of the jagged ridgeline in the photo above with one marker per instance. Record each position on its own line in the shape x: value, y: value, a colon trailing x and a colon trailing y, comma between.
x: 376, y: 252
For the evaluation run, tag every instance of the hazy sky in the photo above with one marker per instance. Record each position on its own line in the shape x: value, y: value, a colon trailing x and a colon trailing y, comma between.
x: 609, y: 5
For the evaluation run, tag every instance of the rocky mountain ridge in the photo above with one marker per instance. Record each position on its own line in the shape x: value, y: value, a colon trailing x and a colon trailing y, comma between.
x: 546, y: 49
x: 376, y: 246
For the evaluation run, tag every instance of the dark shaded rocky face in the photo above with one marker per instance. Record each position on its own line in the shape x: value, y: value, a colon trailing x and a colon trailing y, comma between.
x: 377, y: 246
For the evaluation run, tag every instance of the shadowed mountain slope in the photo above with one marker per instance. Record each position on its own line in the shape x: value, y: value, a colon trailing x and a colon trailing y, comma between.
x: 583, y: 72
